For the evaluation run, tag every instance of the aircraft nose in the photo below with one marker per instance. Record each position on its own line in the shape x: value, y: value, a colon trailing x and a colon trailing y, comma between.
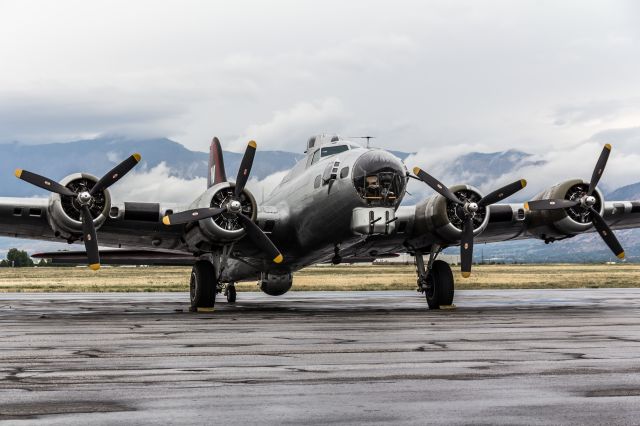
x: 379, y: 178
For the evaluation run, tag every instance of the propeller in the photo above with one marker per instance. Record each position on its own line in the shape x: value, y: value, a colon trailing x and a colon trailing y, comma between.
x: 84, y: 199
x: 584, y: 204
x: 233, y: 207
x: 469, y: 209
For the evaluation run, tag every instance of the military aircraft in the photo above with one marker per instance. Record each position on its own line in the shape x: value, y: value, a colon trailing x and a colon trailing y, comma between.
x: 340, y: 203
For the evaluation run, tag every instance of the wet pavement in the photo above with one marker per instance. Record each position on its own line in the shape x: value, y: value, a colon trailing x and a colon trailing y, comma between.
x: 500, y: 357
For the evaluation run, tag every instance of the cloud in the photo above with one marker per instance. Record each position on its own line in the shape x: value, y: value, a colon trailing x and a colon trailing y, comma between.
x: 607, y: 112
x: 295, y: 124
x: 158, y: 185
x: 502, y: 75
x: 623, y: 139
x: 541, y: 170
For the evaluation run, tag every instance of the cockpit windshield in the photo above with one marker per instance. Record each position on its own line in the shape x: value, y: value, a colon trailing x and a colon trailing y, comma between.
x: 333, y: 150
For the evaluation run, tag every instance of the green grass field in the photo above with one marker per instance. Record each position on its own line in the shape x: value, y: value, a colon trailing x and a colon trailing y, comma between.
x: 378, y: 277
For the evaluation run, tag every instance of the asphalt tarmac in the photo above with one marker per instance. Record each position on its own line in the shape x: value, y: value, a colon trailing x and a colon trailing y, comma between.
x: 501, y: 357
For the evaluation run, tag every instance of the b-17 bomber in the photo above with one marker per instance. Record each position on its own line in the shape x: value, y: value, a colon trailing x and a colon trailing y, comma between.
x: 341, y: 203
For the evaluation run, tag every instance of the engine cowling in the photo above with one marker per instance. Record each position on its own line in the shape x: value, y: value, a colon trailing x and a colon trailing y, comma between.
x: 224, y: 227
x: 438, y: 216
x: 548, y: 224
x: 65, y: 212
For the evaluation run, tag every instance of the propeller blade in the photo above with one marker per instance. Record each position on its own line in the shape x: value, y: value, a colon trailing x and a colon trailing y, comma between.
x: 502, y: 193
x: 115, y: 174
x: 600, y: 165
x: 217, y: 163
x: 191, y: 215
x: 260, y: 239
x: 245, y: 168
x: 436, y: 185
x: 43, y: 182
x: 466, y: 247
x: 607, y: 235
x: 550, y: 204
x: 90, y: 239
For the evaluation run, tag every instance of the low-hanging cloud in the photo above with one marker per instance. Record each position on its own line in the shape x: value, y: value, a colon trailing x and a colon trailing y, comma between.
x: 159, y: 184
x: 540, y: 170
x: 292, y: 125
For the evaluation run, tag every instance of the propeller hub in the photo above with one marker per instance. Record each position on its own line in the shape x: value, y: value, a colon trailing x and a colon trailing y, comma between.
x: 589, y: 201
x: 472, y: 207
x: 84, y: 198
x: 234, y: 206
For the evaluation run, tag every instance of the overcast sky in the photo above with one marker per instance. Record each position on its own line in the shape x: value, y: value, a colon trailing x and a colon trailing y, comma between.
x: 494, y: 74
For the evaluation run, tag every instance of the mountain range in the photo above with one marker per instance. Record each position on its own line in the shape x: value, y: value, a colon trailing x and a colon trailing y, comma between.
x: 98, y: 155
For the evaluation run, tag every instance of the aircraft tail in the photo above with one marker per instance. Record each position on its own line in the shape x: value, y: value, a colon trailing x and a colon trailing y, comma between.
x: 216, y: 164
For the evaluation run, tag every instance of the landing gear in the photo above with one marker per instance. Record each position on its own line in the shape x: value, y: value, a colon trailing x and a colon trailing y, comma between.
x: 203, y: 286
x: 230, y: 292
x: 439, y: 290
x: 436, y: 280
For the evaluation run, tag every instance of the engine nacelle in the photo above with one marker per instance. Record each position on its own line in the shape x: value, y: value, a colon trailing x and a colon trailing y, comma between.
x: 275, y: 284
x: 548, y: 224
x: 65, y: 212
x: 224, y: 227
x: 438, y: 216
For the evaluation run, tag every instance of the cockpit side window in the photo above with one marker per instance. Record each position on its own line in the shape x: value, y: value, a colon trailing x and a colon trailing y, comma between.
x: 316, y: 157
x: 333, y: 150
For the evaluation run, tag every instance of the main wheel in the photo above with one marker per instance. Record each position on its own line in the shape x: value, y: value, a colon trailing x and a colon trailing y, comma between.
x: 439, y: 285
x: 203, y: 285
x: 231, y: 293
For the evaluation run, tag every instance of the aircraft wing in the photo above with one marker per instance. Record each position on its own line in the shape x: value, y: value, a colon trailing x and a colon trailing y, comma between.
x: 513, y: 221
x: 506, y: 222
x: 128, y: 225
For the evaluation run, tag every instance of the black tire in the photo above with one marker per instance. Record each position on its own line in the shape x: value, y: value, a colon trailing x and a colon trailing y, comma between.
x: 203, y: 285
x: 440, y: 280
x: 231, y: 293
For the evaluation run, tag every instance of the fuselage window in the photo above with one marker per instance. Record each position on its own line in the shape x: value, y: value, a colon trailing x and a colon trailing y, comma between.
x: 316, y: 183
x: 333, y: 150
x: 344, y: 172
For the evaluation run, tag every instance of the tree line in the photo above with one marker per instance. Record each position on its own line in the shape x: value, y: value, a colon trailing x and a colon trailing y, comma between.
x: 19, y: 259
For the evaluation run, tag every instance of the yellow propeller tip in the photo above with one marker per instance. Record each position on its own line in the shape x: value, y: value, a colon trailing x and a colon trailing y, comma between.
x: 608, y: 146
x: 166, y: 220
x: 253, y: 144
x: 526, y: 206
x: 466, y: 274
x: 278, y: 259
x: 94, y: 266
x: 18, y: 173
x: 620, y: 255
x: 137, y: 156
x: 416, y: 170
x: 523, y: 182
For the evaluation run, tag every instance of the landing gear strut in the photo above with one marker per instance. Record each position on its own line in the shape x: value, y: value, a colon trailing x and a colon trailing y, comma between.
x: 203, y: 286
x: 435, y: 280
